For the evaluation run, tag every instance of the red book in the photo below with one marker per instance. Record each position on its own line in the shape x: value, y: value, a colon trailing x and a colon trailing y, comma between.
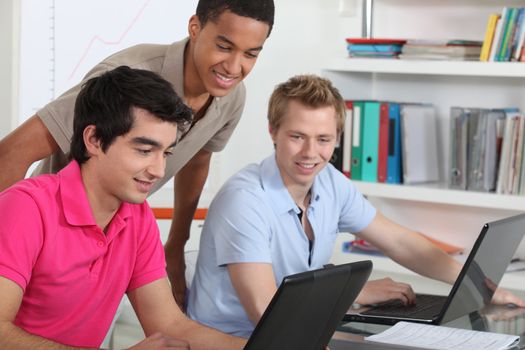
x: 375, y: 41
x: 382, y: 151
x: 346, y: 139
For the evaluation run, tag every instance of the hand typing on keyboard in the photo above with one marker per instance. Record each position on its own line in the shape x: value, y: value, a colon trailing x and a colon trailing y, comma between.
x: 386, y: 289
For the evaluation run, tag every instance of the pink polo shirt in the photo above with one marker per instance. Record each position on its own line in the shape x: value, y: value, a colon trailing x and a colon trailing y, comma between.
x: 72, y: 274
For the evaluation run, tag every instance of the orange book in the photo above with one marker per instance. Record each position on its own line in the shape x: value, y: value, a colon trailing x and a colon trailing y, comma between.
x: 446, y: 247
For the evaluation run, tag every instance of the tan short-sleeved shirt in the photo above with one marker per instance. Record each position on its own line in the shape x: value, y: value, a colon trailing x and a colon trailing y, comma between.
x: 211, y: 133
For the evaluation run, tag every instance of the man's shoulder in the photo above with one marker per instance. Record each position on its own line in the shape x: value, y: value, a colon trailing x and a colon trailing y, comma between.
x: 139, y: 56
x: 246, y: 183
x: 42, y: 190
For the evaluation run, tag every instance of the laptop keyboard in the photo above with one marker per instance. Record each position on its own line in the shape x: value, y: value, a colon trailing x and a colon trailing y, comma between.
x: 425, y: 304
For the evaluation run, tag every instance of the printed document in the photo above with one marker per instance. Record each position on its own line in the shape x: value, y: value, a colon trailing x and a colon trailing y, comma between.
x: 439, y: 337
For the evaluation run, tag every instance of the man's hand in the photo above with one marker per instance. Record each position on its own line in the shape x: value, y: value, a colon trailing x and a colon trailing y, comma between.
x: 385, y: 289
x: 504, y: 297
x: 158, y: 341
x: 176, y: 268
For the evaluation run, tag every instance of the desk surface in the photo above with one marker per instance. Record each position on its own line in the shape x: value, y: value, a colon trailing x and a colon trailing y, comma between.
x: 499, y: 319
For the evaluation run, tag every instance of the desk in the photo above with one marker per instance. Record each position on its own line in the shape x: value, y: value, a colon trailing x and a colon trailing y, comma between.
x: 499, y: 319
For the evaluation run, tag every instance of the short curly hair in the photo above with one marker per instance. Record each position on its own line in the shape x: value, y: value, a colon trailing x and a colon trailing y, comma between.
x: 260, y: 10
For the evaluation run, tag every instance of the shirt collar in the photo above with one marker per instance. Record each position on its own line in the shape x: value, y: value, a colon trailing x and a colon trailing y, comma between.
x: 76, y: 207
x: 273, y: 184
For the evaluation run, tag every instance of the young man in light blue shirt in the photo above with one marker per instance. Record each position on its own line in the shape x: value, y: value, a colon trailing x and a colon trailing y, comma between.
x: 282, y: 216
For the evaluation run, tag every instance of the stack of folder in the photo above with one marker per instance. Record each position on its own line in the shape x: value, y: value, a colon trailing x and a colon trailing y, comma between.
x: 389, y: 142
x: 487, y: 150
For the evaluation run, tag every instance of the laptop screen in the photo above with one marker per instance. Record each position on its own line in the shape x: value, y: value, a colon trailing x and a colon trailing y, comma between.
x: 485, y: 266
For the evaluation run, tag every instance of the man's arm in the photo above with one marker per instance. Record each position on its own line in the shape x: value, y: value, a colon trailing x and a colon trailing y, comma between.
x: 158, y: 312
x: 189, y: 183
x: 411, y: 250
x: 25, y: 145
x: 255, y: 286
x: 408, y: 249
x: 11, y: 336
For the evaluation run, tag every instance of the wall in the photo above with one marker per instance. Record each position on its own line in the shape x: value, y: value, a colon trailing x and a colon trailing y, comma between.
x: 9, y: 34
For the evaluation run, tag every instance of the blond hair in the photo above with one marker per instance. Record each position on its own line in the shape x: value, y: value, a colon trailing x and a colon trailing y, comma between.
x: 311, y: 91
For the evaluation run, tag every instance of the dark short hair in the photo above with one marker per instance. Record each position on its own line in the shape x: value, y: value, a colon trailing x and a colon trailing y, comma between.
x: 107, y: 102
x: 260, y: 10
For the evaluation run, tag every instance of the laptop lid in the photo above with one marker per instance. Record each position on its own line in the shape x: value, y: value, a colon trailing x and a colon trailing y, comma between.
x: 478, y: 279
x: 485, y: 267
x: 307, y: 307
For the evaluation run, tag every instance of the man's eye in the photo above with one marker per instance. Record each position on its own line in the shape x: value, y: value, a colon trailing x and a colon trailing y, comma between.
x: 223, y: 48
x: 144, y: 151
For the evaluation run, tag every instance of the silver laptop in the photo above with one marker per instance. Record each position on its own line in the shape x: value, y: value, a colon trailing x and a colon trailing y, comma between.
x: 473, y: 289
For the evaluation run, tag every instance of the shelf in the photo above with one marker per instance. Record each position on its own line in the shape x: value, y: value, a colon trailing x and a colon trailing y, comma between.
x: 511, y: 280
x: 421, y: 67
x: 434, y: 193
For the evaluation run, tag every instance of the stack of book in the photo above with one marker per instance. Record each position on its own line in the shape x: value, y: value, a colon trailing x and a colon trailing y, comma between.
x: 487, y: 150
x: 388, y: 142
x: 505, y: 36
x: 457, y: 50
x: 372, y: 48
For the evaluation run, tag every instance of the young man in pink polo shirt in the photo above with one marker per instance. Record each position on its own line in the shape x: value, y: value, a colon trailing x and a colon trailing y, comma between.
x: 72, y: 244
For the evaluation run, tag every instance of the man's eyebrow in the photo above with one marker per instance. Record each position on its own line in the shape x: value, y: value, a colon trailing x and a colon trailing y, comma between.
x: 228, y: 41
x: 145, y: 141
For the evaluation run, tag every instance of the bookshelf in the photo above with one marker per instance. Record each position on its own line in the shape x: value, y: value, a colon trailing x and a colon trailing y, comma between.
x: 454, y: 216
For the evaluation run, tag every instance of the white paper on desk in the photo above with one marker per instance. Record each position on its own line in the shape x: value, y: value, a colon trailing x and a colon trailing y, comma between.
x: 439, y: 337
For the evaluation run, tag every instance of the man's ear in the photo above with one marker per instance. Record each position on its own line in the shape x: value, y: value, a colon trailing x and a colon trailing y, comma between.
x: 194, y: 27
x: 93, y: 146
x: 273, y: 133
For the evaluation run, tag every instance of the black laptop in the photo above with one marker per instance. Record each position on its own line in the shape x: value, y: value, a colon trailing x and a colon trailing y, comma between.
x: 473, y: 289
x: 307, y: 307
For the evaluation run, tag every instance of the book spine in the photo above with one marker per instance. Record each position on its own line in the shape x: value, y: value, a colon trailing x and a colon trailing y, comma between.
x: 510, y: 25
x: 489, y: 36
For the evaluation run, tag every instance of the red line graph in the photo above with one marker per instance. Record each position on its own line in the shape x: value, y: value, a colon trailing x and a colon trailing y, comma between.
x: 97, y: 38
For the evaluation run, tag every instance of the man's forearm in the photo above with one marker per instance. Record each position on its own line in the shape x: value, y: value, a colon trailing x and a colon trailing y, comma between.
x: 204, y: 338
x: 14, y: 338
x: 27, y: 144
x: 189, y: 183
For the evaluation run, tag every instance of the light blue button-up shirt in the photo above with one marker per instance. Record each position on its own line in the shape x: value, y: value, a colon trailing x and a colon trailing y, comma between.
x: 254, y: 219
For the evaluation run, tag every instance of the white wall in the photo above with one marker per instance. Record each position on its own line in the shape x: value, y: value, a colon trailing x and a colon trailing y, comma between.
x: 9, y: 12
